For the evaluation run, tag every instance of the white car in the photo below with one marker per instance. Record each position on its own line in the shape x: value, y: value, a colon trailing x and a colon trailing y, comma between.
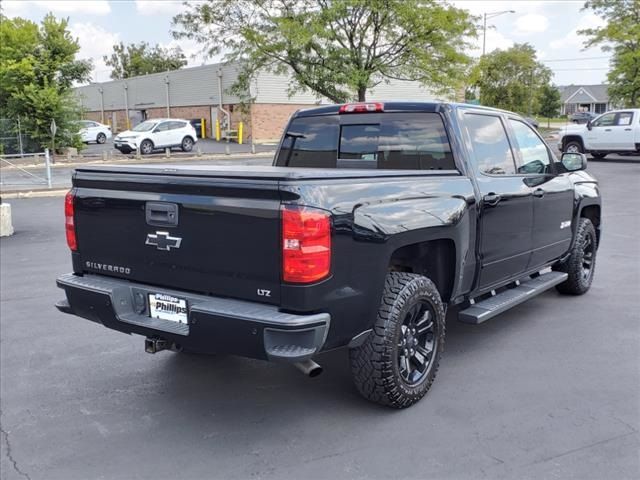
x: 91, y: 131
x: 158, y: 133
x: 617, y: 131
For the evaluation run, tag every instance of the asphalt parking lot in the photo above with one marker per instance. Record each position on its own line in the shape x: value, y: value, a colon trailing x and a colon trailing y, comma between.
x: 550, y: 389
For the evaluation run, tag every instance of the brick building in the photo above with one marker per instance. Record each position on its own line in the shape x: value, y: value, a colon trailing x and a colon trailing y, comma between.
x: 204, y: 92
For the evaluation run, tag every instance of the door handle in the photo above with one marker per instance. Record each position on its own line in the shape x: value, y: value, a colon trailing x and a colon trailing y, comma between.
x: 538, y: 192
x: 607, y: 129
x: 627, y: 129
x: 491, y: 199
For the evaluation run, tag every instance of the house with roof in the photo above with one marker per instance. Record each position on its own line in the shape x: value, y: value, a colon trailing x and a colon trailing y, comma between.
x: 584, y: 98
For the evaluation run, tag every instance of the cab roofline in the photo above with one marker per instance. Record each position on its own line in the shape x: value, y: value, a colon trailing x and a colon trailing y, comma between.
x: 396, y: 107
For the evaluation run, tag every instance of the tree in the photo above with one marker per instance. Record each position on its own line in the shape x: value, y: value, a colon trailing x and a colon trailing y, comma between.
x: 38, y: 67
x: 511, y: 79
x: 338, y: 49
x: 549, y: 102
x: 141, y: 59
x: 621, y: 36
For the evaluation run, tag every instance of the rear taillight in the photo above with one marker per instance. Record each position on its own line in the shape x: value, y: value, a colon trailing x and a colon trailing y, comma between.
x: 306, y: 244
x: 69, y: 221
x: 362, y: 107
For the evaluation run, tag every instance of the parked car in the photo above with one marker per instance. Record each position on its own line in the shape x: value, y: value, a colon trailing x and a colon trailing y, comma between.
x: 373, y: 220
x: 156, y: 134
x: 617, y: 131
x: 91, y: 131
x: 581, y: 117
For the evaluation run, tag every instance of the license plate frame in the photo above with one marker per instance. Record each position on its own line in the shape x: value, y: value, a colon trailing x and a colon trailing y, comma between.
x: 169, y: 308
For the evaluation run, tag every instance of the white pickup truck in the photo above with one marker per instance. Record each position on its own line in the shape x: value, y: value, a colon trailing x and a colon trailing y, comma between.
x: 617, y: 131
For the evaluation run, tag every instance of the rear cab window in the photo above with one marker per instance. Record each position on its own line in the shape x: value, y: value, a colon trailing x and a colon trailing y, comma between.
x: 384, y: 141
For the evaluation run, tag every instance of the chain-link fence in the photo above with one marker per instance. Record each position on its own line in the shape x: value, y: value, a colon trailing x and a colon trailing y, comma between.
x: 14, y: 140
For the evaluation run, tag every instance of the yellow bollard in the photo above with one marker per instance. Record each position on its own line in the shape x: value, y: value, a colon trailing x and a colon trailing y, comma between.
x: 240, y: 125
x: 203, y: 130
x: 218, y: 130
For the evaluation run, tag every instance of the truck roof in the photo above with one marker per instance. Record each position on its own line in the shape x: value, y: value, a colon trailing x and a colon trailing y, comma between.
x: 396, y: 106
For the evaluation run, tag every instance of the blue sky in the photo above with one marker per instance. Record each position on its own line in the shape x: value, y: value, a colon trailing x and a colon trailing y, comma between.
x: 550, y: 26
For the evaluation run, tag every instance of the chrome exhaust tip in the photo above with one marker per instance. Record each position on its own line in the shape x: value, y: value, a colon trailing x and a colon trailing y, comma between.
x: 309, y: 368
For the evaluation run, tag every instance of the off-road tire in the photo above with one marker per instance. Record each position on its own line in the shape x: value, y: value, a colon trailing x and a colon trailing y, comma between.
x: 577, y: 283
x: 374, y: 364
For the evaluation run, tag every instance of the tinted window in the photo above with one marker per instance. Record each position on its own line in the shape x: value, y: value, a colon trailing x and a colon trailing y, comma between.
x: 144, y: 126
x: 163, y: 127
x: 606, y: 120
x: 534, y: 153
x: 176, y: 125
x: 416, y: 141
x: 625, y: 118
x: 490, y: 145
x: 310, y: 142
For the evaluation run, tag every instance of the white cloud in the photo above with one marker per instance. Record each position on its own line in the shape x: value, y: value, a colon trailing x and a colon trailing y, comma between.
x: 495, y: 40
x: 13, y: 8
x: 92, y: 7
x: 573, y: 39
x: 531, y: 23
x: 191, y: 49
x: 160, y: 7
x: 95, y: 42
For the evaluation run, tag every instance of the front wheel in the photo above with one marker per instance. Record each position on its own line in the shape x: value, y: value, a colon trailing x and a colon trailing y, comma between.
x: 187, y: 144
x: 146, y: 147
x: 573, y: 147
x: 581, y: 264
x: 397, y: 363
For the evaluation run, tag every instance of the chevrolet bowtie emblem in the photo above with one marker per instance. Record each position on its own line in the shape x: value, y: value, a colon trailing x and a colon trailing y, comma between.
x: 163, y: 241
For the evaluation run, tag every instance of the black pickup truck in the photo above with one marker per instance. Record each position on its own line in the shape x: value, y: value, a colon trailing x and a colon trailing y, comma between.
x: 372, y: 221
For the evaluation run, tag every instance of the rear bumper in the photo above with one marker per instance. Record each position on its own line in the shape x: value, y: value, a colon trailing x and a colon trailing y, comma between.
x: 215, y: 325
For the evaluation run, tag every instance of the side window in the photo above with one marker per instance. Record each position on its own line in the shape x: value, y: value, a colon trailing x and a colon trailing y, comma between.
x: 176, y: 125
x: 490, y: 144
x: 624, y: 119
x: 162, y: 127
x: 534, y: 153
x: 606, y: 120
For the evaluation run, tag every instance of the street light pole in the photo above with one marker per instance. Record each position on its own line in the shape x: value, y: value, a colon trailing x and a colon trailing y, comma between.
x: 484, y: 26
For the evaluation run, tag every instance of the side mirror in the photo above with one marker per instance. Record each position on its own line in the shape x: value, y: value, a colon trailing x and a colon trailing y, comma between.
x: 589, y: 125
x: 572, y: 162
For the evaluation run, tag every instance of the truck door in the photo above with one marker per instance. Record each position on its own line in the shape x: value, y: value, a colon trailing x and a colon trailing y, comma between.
x: 552, y: 195
x: 622, y: 137
x: 599, y: 136
x: 506, y: 211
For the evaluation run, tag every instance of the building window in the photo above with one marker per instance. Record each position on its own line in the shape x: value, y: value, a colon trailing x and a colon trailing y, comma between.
x: 601, y: 107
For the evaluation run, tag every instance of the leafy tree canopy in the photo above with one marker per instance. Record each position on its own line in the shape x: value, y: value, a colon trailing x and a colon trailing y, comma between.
x: 549, y: 101
x: 338, y: 49
x: 38, y: 67
x: 511, y: 79
x: 621, y: 36
x: 141, y: 59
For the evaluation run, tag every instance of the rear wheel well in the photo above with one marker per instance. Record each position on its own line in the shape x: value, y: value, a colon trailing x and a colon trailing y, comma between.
x: 435, y: 259
x: 592, y: 212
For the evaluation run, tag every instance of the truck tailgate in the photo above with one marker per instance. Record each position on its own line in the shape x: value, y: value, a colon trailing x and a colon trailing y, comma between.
x: 213, y: 235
